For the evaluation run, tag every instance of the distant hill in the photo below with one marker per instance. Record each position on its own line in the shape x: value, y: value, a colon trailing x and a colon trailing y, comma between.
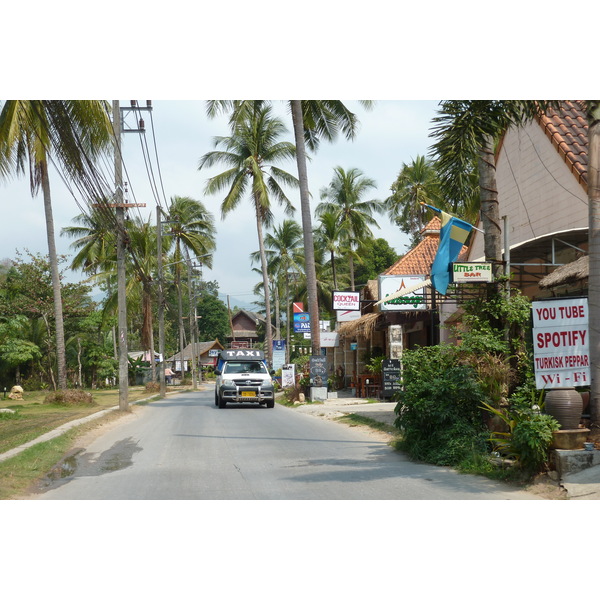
x: 247, y: 304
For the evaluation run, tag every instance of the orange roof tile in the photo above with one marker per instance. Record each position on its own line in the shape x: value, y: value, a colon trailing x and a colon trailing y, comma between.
x: 419, y: 259
x: 567, y: 129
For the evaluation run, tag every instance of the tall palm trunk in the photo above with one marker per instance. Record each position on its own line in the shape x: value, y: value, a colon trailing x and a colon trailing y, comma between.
x: 309, y: 250
x: 58, y: 309
x: 263, y: 263
x: 594, y: 253
x: 490, y: 213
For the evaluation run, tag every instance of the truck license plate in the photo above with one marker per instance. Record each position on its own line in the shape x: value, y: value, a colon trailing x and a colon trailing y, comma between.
x: 249, y: 394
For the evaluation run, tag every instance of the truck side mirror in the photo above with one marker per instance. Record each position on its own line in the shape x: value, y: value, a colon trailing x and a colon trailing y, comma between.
x: 217, y: 371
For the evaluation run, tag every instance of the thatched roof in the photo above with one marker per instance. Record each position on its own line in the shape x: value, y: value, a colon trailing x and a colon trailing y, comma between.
x: 362, y: 327
x: 568, y: 274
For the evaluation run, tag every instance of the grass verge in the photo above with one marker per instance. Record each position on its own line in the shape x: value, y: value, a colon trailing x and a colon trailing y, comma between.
x: 32, y: 418
x: 354, y: 420
x: 17, y: 474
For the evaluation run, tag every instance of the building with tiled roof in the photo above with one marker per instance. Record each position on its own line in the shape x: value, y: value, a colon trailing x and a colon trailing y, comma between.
x: 541, y: 177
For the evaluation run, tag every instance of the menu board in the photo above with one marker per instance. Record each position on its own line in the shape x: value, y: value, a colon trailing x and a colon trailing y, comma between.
x: 318, y: 371
x: 390, y: 377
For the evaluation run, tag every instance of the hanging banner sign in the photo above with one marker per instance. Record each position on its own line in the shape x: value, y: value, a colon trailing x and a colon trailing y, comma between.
x: 561, y: 343
x: 471, y: 272
x: 389, y: 284
x: 346, y: 300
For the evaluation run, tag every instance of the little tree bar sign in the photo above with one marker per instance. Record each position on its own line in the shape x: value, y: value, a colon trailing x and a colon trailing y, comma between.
x: 470, y: 272
x: 561, y: 343
x: 346, y: 300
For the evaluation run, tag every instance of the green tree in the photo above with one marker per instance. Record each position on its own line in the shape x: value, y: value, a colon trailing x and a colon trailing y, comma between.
x: 329, y: 236
x: 252, y: 151
x: 285, y: 255
x: 191, y: 230
x: 313, y: 121
x: 376, y: 256
x: 72, y: 131
x: 417, y: 183
x: 213, y: 322
x: 344, y: 197
x: 466, y: 132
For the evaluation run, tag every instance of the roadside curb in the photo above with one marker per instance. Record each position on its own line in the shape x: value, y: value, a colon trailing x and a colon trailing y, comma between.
x: 66, y: 426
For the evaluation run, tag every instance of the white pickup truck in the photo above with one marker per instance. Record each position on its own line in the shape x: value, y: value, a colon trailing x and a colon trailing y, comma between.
x: 242, y: 376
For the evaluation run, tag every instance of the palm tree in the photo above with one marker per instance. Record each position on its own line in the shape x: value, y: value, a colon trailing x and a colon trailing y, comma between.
x: 252, y: 151
x: 191, y: 229
x: 416, y: 183
x: 344, y: 197
x: 313, y: 121
x: 284, y: 253
x: 94, y: 241
x: 329, y: 236
x: 467, y: 131
x: 75, y: 132
x: 593, y: 115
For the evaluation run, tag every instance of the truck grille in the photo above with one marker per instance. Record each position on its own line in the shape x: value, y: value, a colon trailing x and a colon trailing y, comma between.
x: 247, y: 382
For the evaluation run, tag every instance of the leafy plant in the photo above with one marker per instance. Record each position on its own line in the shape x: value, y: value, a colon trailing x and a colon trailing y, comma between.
x: 375, y: 365
x: 529, y: 434
x: 438, y: 408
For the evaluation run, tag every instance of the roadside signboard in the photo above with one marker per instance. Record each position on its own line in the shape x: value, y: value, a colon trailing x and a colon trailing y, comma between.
x: 346, y: 300
x: 390, y: 370
x: 318, y: 371
x: 342, y: 316
x: 278, y: 354
x: 288, y: 378
x: 561, y: 343
x: 389, y: 284
x: 302, y: 322
x: 471, y: 272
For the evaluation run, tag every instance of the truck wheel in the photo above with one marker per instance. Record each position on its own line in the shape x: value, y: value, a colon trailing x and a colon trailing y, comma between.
x: 216, y: 399
x: 222, y: 402
x: 270, y: 403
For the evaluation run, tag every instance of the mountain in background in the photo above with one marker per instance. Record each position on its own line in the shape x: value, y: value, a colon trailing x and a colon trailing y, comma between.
x: 242, y: 304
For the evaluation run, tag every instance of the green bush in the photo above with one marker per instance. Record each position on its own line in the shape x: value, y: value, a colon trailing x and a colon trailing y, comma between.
x: 439, y: 408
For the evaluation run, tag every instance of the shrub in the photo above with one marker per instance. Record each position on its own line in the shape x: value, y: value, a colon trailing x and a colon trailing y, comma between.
x: 438, y: 408
x: 69, y: 397
x: 153, y: 386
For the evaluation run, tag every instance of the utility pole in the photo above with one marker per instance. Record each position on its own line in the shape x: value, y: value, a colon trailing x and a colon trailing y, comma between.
x: 192, y: 331
x: 119, y: 204
x: 121, y: 277
x: 161, y: 306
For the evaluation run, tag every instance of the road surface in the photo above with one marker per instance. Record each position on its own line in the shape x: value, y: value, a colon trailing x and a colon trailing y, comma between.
x: 184, y: 447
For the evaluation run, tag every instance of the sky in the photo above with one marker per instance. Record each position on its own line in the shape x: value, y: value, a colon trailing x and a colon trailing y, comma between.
x: 390, y: 134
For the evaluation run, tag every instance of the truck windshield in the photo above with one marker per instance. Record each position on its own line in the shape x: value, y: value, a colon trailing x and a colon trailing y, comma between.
x: 244, y: 367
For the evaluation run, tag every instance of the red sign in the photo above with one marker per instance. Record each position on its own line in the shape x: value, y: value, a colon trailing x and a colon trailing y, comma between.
x: 298, y: 307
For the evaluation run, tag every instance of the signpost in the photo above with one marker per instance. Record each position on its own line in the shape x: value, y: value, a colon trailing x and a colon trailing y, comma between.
x: 561, y: 343
x: 318, y: 378
x: 390, y: 369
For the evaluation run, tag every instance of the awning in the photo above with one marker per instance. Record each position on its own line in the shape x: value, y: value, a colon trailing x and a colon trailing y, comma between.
x: 362, y: 327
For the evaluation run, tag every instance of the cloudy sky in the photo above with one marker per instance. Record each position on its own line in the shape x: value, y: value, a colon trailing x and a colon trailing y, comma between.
x: 392, y: 133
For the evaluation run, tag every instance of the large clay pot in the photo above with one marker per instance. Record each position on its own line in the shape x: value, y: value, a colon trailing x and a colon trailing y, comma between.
x: 565, y: 405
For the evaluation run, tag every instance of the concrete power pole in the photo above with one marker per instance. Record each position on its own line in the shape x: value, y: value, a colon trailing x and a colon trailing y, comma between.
x: 121, y: 277
x: 161, y: 306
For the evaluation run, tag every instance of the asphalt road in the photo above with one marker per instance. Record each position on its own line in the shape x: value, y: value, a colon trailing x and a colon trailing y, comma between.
x: 184, y: 447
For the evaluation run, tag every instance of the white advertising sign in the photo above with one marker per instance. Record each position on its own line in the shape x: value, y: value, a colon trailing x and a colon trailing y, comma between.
x: 389, y: 284
x: 287, y: 376
x: 346, y: 300
x: 330, y: 339
x: 561, y: 343
x: 347, y: 315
